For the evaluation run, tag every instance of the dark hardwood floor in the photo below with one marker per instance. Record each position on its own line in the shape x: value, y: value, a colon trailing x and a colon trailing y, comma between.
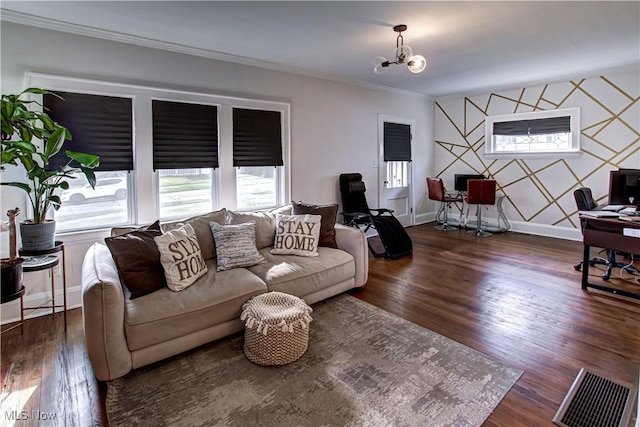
x: 514, y: 297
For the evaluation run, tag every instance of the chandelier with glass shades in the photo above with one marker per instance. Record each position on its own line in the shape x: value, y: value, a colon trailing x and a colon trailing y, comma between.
x: 403, y: 55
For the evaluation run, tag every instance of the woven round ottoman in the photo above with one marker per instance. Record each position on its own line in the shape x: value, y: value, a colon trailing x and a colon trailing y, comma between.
x: 276, y: 328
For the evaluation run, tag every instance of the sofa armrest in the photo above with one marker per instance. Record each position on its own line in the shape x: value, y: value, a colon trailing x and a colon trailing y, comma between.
x: 103, y: 315
x: 354, y: 241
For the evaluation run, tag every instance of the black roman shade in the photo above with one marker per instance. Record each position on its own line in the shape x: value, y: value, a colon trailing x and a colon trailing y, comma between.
x: 533, y: 127
x: 185, y: 136
x: 397, y: 142
x: 100, y: 125
x: 257, y: 138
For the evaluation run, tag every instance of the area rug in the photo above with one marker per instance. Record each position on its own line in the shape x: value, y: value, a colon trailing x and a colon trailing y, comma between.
x: 364, y: 367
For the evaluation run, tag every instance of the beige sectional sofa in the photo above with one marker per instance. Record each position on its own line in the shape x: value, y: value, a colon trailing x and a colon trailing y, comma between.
x: 123, y: 334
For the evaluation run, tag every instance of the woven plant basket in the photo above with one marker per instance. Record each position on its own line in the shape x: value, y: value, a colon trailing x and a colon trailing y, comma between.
x: 276, y: 328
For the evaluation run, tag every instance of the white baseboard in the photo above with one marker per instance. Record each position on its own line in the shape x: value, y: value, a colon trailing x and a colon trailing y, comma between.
x: 11, y: 310
x: 566, y: 233
x: 426, y: 217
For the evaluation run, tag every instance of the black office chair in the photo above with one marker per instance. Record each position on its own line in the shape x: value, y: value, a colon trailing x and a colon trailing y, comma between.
x: 584, y: 199
x: 355, y: 212
x: 585, y: 202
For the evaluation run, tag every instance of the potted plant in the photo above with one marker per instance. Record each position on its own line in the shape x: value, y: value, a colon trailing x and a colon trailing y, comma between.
x: 20, y: 125
x: 12, y: 266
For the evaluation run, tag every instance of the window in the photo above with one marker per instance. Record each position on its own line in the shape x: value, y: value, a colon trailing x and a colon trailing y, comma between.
x: 257, y: 154
x: 534, y: 134
x: 257, y: 187
x: 397, y: 153
x: 397, y: 142
x: 171, y: 154
x: 397, y: 174
x: 185, y: 151
x: 101, y: 125
x: 105, y: 205
x: 185, y: 192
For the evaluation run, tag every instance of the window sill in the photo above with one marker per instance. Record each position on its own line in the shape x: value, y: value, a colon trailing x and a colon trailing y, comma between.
x: 546, y: 155
x: 83, y: 236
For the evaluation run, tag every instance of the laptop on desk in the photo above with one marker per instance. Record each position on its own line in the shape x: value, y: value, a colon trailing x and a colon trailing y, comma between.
x: 600, y: 213
x: 611, y: 208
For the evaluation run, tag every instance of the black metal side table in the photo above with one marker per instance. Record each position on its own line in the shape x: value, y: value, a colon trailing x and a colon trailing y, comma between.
x: 46, y: 259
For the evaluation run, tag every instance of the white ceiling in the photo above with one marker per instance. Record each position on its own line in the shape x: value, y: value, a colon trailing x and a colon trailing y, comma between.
x: 470, y: 46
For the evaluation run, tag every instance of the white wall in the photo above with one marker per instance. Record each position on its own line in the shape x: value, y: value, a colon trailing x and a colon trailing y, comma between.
x: 333, y: 125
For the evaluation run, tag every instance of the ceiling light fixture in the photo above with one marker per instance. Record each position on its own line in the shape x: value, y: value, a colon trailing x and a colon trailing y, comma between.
x: 403, y: 55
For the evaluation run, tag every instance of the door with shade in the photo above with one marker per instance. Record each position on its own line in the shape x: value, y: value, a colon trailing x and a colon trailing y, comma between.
x: 394, y: 171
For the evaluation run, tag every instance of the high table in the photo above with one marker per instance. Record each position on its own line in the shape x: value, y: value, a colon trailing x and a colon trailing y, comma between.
x: 608, y: 233
x: 464, y: 213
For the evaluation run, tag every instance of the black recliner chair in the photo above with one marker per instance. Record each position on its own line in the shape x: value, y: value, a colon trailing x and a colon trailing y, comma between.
x: 356, y: 212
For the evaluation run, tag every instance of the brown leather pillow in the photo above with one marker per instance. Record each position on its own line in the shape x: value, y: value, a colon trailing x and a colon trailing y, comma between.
x: 327, y: 224
x: 138, y: 260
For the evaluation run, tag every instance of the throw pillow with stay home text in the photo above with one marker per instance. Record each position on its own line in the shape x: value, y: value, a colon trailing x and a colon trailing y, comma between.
x: 297, y: 235
x: 181, y: 257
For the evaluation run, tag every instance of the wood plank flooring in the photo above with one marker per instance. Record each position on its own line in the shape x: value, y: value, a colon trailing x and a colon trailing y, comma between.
x: 514, y: 297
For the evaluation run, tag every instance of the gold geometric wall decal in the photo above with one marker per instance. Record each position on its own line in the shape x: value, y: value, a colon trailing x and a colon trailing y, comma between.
x: 540, y: 191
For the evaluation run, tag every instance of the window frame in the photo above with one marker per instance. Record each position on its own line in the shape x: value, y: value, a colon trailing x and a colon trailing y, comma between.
x: 573, y: 152
x: 143, y: 198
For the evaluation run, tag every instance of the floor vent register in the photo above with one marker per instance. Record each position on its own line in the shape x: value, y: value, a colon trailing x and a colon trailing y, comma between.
x: 595, y: 401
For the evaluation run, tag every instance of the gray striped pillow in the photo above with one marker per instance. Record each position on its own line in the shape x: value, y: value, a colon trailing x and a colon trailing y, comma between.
x: 235, y: 245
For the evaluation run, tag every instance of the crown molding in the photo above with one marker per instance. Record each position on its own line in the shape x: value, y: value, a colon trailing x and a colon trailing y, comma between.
x: 562, y: 78
x: 87, y: 31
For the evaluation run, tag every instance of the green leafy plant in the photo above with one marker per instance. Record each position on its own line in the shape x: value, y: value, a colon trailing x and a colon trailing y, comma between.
x: 20, y: 125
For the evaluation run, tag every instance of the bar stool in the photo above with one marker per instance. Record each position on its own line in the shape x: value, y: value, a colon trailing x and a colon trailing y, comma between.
x: 438, y: 193
x: 480, y: 192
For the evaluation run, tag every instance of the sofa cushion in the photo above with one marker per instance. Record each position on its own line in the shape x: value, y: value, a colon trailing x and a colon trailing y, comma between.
x: 200, y: 224
x: 181, y: 257
x: 301, y: 276
x: 235, y: 245
x: 138, y: 260
x: 265, y: 225
x: 297, y: 235
x: 215, y: 298
x: 328, y: 214
x: 283, y: 210
x: 119, y: 231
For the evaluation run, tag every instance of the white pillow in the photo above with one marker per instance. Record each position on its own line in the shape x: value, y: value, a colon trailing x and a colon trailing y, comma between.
x: 297, y: 235
x: 235, y: 245
x: 181, y: 257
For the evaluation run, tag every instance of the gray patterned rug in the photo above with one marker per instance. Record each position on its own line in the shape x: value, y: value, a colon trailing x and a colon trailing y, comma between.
x: 364, y: 367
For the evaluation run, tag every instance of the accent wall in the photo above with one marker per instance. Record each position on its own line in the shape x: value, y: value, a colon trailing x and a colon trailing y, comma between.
x: 539, y: 192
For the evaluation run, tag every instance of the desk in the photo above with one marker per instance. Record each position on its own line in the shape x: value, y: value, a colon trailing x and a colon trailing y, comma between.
x: 607, y: 233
